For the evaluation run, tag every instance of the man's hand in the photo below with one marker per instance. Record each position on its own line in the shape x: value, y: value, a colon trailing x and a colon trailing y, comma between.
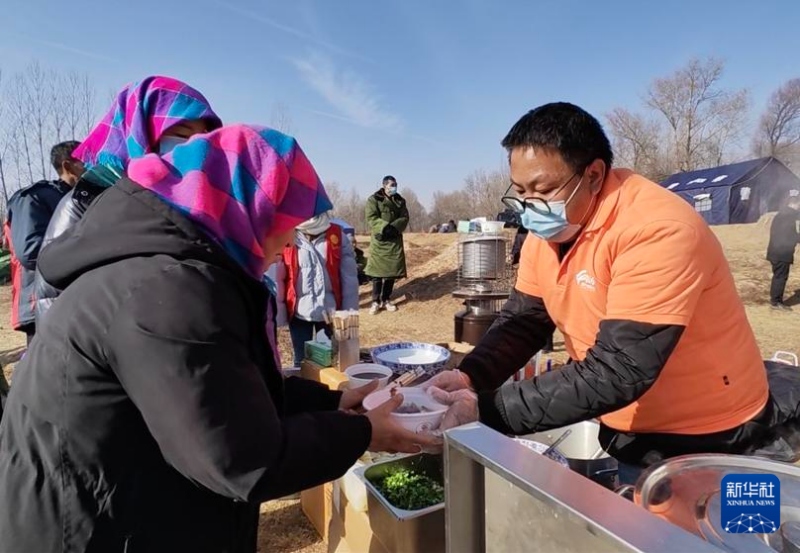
x: 389, y: 436
x: 463, y: 406
x: 351, y: 399
x: 449, y: 381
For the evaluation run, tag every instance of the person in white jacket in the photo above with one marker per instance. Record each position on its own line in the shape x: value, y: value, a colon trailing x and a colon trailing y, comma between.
x: 320, y: 273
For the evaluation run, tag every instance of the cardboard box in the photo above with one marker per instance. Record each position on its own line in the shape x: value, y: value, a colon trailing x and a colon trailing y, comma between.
x: 332, y: 378
x: 317, y: 505
x: 350, y: 531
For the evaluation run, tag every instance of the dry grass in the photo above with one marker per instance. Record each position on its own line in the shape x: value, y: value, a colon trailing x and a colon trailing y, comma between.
x: 426, y: 314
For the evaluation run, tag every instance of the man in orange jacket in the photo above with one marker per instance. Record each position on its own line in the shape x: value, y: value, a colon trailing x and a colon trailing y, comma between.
x: 660, y: 346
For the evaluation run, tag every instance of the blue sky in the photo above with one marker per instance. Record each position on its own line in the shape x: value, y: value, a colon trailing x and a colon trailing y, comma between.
x: 423, y: 90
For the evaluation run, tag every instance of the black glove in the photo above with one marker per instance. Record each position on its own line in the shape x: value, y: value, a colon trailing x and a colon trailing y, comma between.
x: 390, y: 232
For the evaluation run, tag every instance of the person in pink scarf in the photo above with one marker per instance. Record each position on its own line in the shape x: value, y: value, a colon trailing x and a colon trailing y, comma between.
x: 150, y: 413
x: 152, y: 115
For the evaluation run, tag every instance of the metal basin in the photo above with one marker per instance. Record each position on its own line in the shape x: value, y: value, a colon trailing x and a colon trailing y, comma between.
x: 579, y: 448
x: 399, y: 530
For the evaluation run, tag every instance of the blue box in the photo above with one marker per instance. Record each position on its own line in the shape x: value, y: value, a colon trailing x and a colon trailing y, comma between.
x: 750, y: 503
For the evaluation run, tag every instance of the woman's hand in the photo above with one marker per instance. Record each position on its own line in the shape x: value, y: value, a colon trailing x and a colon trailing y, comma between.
x: 389, y: 436
x: 351, y: 399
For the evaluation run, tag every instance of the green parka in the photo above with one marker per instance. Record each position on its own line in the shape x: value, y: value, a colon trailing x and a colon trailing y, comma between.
x: 387, y: 218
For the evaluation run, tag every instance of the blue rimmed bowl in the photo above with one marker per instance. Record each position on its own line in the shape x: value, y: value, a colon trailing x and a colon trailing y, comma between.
x: 402, y: 357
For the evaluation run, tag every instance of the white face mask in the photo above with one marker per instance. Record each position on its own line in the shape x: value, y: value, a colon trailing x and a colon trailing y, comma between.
x: 168, y: 143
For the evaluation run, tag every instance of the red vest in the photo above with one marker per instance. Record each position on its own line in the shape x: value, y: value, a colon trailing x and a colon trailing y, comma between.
x: 333, y: 260
x: 16, y: 277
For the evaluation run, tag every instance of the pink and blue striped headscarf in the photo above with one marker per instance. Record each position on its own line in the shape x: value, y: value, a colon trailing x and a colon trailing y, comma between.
x: 138, y: 118
x: 240, y: 184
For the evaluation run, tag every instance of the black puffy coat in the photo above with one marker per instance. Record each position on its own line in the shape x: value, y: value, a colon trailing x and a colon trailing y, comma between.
x: 148, y: 414
x: 69, y: 211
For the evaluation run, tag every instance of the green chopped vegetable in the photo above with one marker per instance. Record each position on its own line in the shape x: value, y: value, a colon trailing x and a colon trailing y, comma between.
x: 407, y: 489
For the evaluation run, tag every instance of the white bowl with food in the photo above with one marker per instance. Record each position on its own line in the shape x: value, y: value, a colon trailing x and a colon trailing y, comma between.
x: 418, y: 413
x: 362, y: 374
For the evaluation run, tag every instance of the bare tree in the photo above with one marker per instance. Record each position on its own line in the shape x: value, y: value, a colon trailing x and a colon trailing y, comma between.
x: 4, y: 147
x: 702, y: 117
x: 70, y: 92
x: 86, y: 101
x: 348, y: 205
x: 59, y: 100
x: 20, y: 129
x: 454, y: 205
x: 417, y: 214
x: 483, y: 190
x: 38, y: 98
x: 281, y: 120
x: 636, y: 141
x: 778, y: 131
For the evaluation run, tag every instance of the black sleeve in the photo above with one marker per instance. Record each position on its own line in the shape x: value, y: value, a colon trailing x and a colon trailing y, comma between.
x: 622, y: 365
x: 521, y: 329
x: 185, y: 364
x: 304, y: 395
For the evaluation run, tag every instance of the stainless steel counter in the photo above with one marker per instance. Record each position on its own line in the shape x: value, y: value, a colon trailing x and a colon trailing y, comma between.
x: 501, y: 497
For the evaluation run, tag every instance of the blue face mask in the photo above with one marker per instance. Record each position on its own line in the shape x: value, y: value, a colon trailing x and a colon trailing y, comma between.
x: 553, y: 225
x: 168, y: 143
x: 391, y: 190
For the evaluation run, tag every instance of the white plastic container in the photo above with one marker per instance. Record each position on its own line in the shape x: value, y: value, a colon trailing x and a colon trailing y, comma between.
x: 356, y: 374
x: 492, y: 227
x: 426, y: 421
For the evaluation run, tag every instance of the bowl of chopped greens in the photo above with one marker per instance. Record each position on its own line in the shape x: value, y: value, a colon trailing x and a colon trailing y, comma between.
x: 409, y: 486
x: 410, y: 490
x: 418, y: 413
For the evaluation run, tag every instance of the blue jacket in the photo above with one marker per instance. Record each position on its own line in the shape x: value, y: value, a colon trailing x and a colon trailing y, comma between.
x: 29, y: 213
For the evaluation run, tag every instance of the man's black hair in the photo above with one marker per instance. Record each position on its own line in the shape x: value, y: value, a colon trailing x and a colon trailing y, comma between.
x: 389, y: 178
x: 62, y: 152
x: 565, y: 128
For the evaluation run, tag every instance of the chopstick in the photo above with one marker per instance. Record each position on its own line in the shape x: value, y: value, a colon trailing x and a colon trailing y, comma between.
x: 345, y: 324
x: 411, y: 376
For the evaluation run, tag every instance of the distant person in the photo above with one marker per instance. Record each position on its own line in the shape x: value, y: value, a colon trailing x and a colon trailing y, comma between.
x: 29, y: 213
x: 321, y: 275
x: 447, y: 227
x: 387, y: 218
x: 150, y: 116
x: 783, y: 238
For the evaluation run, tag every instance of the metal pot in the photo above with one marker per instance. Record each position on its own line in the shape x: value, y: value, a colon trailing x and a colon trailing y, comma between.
x: 583, y: 451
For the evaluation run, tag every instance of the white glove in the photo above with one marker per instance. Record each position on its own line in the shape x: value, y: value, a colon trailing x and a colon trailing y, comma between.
x: 463, y: 406
x: 448, y: 381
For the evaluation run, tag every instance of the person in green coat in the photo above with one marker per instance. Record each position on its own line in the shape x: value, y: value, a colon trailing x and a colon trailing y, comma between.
x: 387, y: 218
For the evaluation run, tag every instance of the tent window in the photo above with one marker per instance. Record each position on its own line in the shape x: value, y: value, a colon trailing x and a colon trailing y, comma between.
x: 744, y: 193
x: 702, y: 202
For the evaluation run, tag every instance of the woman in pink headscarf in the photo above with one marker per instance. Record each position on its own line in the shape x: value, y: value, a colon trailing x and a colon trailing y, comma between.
x: 150, y: 413
x: 152, y: 115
